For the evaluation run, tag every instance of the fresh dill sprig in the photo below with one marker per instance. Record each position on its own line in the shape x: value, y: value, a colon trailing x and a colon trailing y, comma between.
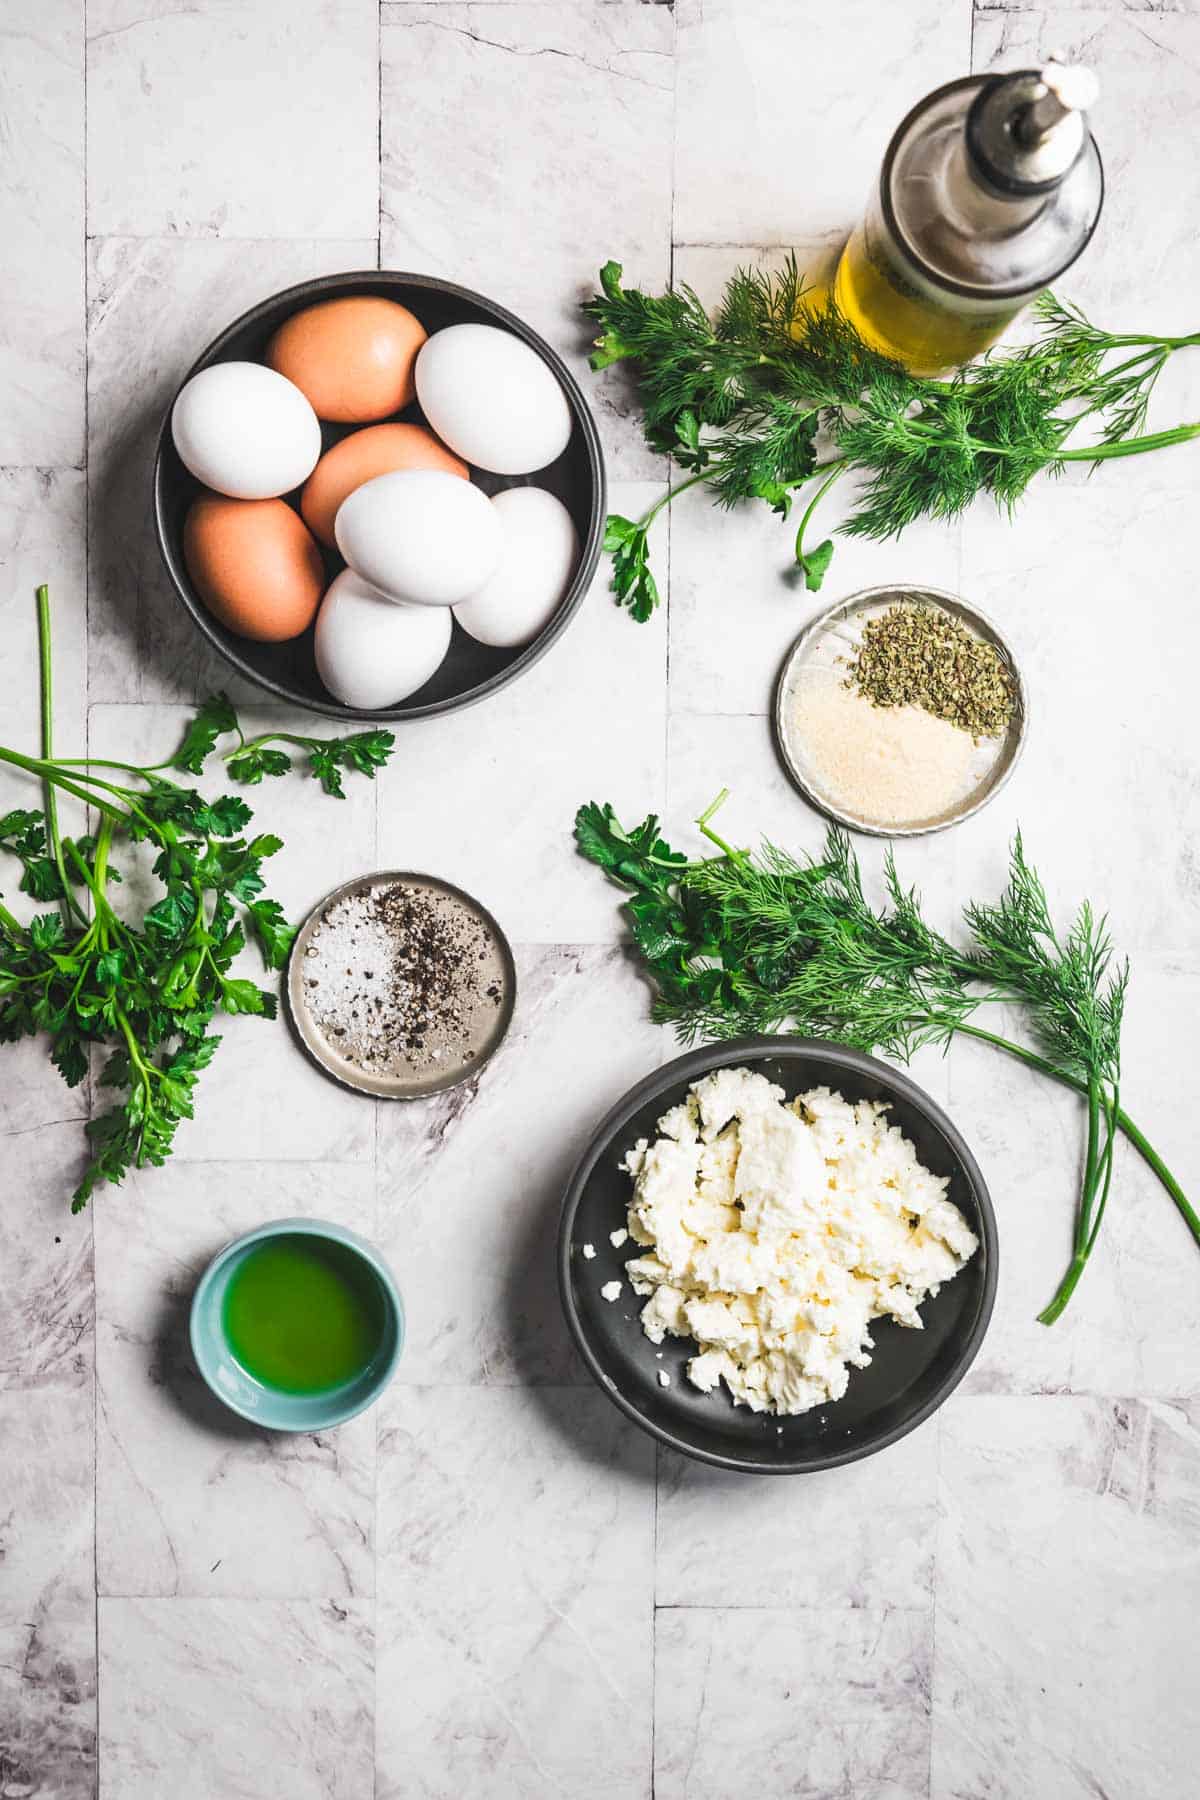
x: 737, y: 401
x: 740, y: 944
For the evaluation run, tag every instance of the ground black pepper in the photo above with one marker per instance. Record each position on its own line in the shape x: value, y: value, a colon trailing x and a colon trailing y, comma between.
x: 406, y: 986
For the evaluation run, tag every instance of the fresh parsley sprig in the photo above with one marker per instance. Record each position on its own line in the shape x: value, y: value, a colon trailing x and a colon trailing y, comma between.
x: 739, y: 400
x: 150, y: 990
x: 738, y: 944
x: 252, y: 759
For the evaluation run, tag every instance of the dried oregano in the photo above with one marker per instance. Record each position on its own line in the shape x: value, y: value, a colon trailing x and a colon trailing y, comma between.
x: 916, y: 654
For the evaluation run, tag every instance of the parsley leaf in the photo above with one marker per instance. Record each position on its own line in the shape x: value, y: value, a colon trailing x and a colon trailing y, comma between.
x: 46, y: 931
x: 23, y: 835
x: 364, y: 751
x: 241, y: 996
x: 638, y: 859
x: 632, y: 582
x: 249, y: 766
x: 225, y: 816
x: 275, y: 936
x: 147, y: 984
x: 215, y: 717
x: 69, y: 1058
x: 814, y: 564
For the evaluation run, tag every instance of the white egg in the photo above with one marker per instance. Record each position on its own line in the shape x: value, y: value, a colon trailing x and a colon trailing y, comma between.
x: 492, y: 399
x: 420, y: 535
x: 245, y: 431
x: 372, y: 652
x: 539, y: 557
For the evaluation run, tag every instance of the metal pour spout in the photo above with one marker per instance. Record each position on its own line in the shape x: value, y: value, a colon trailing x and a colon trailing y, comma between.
x: 1068, y: 88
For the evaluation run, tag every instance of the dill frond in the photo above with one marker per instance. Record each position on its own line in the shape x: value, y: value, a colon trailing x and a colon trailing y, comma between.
x: 739, y: 944
x: 737, y: 400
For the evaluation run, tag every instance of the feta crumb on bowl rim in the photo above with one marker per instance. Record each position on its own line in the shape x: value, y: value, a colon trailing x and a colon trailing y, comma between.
x: 911, y: 1372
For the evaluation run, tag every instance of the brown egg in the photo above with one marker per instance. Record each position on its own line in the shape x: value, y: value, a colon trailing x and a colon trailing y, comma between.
x: 353, y: 358
x: 378, y: 450
x: 256, y: 565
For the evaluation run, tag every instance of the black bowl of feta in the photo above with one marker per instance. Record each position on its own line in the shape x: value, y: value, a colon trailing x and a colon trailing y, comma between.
x: 777, y: 1255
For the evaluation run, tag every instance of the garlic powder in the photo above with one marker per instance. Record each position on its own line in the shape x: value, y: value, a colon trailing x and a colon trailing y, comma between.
x: 893, y: 765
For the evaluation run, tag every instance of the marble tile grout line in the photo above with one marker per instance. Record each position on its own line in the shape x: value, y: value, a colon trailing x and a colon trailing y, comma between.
x: 379, y: 135
x: 666, y: 777
x: 933, y: 1573
x: 87, y: 723
x: 218, y: 237
x: 376, y: 1104
x: 654, y: 1612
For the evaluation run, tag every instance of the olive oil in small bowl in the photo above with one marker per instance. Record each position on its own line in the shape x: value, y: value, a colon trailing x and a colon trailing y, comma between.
x: 297, y: 1325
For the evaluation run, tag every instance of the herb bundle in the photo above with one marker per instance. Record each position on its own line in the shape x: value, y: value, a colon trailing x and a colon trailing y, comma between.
x: 151, y: 990
x: 737, y: 401
x: 740, y: 944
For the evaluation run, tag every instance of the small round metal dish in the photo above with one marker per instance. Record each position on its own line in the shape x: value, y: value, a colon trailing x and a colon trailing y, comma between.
x: 832, y: 638
x: 343, y: 976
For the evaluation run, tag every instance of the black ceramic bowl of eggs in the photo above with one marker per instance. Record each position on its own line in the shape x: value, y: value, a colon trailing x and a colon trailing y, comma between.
x: 380, y: 494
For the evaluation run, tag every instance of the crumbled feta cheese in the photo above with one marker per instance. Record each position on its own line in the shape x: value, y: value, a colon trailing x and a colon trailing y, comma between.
x: 664, y: 1380
x: 617, y: 1238
x: 776, y: 1232
x: 611, y: 1291
x: 589, y: 1250
x: 663, y: 1313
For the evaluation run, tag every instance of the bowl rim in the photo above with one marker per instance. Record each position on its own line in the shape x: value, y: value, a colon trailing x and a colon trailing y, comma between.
x: 311, y: 293
x: 688, y: 1067
x: 331, y: 1232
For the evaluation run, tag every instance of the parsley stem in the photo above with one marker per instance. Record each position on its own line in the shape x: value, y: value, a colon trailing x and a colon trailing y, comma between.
x: 136, y: 1062
x: 835, y: 468
x: 712, y: 836
x: 94, y: 886
x: 53, y: 771
x: 104, y: 762
x: 12, y: 925
x: 268, y: 737
x: 104, y: 837
x: 681, y: 487
x: 49, y: 771
x: 714, y: 806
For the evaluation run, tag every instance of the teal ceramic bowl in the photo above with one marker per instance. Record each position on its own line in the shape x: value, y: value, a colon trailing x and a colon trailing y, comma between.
x: 272, y: 1407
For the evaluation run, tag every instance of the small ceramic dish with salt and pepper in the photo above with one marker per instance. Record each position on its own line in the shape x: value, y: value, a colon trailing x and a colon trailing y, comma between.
x: 892, y: 770
x: 400, y: 985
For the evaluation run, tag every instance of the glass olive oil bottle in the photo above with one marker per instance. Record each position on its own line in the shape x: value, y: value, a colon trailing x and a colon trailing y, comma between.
x: 990, y: 188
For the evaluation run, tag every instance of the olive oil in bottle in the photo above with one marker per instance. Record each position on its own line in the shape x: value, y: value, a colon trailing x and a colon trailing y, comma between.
x: 990, y: 188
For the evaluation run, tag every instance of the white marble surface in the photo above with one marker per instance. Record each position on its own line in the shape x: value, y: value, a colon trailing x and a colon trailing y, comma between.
x: 491, y: 1585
